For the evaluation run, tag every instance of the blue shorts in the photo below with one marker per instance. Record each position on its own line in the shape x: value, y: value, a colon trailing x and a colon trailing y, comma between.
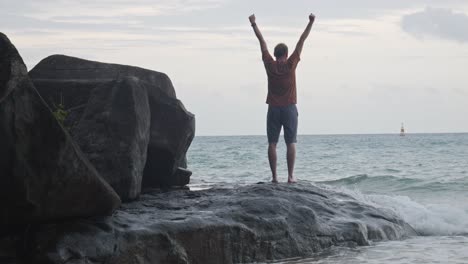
x: 282, y: 116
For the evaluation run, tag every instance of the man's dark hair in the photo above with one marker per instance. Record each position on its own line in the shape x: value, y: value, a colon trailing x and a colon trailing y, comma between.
x: 281, y: 50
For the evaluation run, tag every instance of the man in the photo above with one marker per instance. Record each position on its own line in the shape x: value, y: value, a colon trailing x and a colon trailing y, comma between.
x: 281, y: 98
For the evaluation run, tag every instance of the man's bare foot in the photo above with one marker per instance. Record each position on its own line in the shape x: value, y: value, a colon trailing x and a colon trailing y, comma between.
x: 274, y: 180
x: 291, y: 180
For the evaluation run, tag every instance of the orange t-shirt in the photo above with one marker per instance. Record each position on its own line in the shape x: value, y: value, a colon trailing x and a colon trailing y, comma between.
x: 281, y: 79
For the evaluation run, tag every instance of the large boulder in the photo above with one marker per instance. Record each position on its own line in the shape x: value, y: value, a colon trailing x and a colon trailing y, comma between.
x: 127, y: 120
x: 257, y: 223
x: 172, y: 130
x: 114, y: 133
x: 43, y: 174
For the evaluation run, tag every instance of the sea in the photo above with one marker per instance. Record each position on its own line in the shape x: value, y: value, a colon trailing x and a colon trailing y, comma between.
x: 421, y: 177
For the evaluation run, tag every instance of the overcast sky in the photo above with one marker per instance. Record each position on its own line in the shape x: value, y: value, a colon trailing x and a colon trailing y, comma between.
x: 367, y: 66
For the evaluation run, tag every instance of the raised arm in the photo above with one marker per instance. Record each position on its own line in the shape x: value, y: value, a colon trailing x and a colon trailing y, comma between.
x: 304, y: 35
x: 263, y: 45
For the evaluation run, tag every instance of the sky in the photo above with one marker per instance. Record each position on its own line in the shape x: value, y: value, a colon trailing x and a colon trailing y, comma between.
x: 367, y: 66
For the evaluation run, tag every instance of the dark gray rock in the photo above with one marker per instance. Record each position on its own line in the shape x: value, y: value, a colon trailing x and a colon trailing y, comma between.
x: 172, y: 131
x: 76, y: 82
x: 114, y: 133
x: 242, y: 225
x: 43, y: 174
x: 62, y: 68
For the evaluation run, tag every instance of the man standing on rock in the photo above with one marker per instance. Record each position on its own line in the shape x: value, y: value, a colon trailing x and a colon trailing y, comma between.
x: 281, y: 99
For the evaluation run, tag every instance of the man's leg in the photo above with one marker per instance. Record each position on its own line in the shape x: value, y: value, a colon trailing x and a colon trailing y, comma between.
x: 273, y: 132
x: 272, y: 158
x: 290, y: 117
x: 291, y: 158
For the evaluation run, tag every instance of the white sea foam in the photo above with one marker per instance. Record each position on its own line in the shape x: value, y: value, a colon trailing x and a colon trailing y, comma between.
x: 426, y: 219
x: 431, y: 219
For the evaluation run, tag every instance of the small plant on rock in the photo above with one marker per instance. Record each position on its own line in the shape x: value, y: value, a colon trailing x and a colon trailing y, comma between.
x: 60, y: 113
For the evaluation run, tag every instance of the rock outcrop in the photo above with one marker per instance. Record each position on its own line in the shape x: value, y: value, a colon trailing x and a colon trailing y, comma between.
x: 253, y: 223
x: 114, y: 132
x: 43, y: 174
x: 127, y: 120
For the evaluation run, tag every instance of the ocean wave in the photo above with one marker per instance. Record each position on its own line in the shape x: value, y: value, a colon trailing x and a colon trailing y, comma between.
x: 361, y: 178
x: 399, y: 184
x: 426, y: 219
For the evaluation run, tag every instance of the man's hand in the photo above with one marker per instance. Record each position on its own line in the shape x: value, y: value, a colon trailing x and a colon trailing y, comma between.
x: 252, y: 18
x: 311, y: 17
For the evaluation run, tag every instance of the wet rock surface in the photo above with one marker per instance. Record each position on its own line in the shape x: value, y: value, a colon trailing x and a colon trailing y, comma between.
x: 43, y: 174
x: 127, y: 120
x: 241, y: 225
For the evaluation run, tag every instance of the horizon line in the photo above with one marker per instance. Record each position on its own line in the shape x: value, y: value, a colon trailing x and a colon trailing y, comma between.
x: 339, y: 134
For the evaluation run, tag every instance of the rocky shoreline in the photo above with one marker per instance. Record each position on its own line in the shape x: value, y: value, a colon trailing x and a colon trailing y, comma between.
x: 93, y: 168
x: 255, y: 223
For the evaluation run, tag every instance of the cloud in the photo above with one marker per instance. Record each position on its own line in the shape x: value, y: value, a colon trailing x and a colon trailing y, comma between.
x: 437, y: 22
x: 110, y: 8
x: 100, y: 15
